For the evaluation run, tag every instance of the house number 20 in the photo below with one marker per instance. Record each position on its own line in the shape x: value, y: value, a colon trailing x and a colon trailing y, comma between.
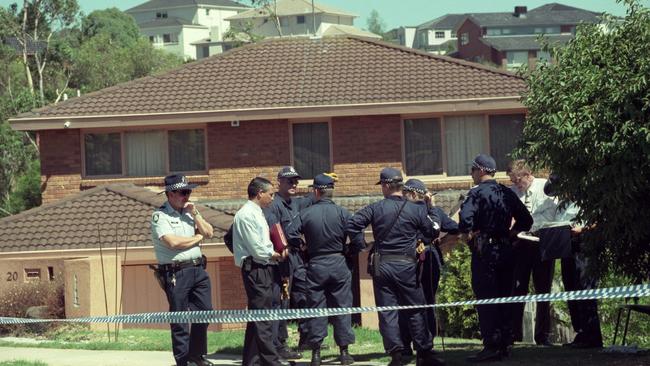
x: 12, y: 276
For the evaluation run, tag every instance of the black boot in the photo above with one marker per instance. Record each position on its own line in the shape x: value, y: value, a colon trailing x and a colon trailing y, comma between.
x: 395, y: 359
x: 315, y: 357
x: 427, y: 358
x: 345, y: 357
x: 487, y: 354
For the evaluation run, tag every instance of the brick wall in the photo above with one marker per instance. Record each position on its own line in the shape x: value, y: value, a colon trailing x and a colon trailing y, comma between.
x: 475, y: 50
x: 60, y: 152
x: 362, y: 146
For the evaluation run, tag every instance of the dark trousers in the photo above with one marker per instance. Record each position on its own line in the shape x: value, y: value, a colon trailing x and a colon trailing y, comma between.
x: 258, y: 341
x: 330, y: 285
x: 584, y: 313
x: 280, y: 333
x: 527, y: 261
x: 492, y: 276
x: 190, y: 290
x: 299, y: 290
x: 396, y: 284
x: 431, y: 271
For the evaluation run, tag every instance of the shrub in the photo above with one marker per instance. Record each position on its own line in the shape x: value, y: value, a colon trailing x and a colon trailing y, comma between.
x: 18, y: 298
x: 456, y: 285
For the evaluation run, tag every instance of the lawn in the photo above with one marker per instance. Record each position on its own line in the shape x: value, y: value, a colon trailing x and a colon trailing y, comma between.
x: 368, y: 347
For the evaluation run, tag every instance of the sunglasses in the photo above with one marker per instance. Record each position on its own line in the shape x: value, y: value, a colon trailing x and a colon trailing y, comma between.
x: 184, y: 192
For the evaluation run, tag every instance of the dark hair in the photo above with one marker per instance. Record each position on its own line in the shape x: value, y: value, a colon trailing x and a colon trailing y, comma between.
x: 394, y: 186
x: 257, y: 185
x: 326, y: 192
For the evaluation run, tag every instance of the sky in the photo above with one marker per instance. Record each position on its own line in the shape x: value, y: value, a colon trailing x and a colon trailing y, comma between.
x: 397, y: 13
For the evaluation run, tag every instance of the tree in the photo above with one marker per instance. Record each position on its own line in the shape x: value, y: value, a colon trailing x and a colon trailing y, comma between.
x: 119, y: 26
x: 375, y: 24
x: 589, y: 122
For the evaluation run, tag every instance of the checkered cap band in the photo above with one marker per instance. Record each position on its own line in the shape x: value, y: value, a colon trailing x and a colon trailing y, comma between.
x: 414, y: 189
x: 481, y: 167
x: 176, y: 186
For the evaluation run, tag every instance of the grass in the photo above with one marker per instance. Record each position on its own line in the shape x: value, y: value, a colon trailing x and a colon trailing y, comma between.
x: 368, y: 347
x: 22, y: 363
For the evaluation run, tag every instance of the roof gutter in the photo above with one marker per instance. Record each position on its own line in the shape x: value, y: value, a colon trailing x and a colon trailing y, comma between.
x: 320, y: 111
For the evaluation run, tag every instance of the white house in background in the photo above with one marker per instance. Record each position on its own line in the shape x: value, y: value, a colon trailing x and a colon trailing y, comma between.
x: 298, y: 17
x: 192, y: 29
x: 438, y: 35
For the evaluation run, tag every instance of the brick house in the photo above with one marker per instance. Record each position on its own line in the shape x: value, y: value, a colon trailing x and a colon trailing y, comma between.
x: 510, y: 39
x: 344, y: 104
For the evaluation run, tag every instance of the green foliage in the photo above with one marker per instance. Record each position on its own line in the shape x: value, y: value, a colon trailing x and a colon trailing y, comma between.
x: 456, y: 285
x: 588, y: 122
x: 27, y: 191
x: 117, y: 25
x: 639, y: 328
x: 375, y: 24
x: 18, y: 298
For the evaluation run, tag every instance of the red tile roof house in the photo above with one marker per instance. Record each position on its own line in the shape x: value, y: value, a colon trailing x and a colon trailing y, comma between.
x: 344, y: 104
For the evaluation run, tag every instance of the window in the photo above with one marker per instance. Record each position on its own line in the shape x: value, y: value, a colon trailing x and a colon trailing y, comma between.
x: 32, y: 274
x: 464, y: 38
x: 202, y: 52
x: 300, y: 19
x: 493, y: 31
x: 423, y: 148
x: 311, y: 148
x: 207, y: 12
x: 161, y: 15
x: 517, y: 58
x: 284, y: 21
x: 170, y: 38
x: 465, y: 138
x: 152, y: 39
x: 440, y: 34
x: 505, y: 132
x: 50, y: 273
x: 103, y: 154
x: 144, y: 153
x: 543, y: 56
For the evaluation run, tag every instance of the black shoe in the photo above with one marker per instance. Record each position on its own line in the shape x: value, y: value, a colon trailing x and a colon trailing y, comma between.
x: 505, y: 351
x: 545, y: 343
x: 288, y: 354
x: 315, y: 357
x: 345, y: 357
x: 487, y: 354
x: 396, y: 359
x: 583, y: 345
x: 199, y: 361
x: 427, y: 358
x: 407, y: 355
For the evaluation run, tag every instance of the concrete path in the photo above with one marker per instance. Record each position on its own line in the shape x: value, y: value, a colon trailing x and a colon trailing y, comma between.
x: 73, y: 357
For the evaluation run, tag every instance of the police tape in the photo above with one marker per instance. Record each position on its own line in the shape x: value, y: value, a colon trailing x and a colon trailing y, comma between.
x: 243, y: 316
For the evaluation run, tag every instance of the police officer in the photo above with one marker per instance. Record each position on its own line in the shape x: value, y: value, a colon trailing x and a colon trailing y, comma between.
x: 177, y: 228
x: 329, y: 278
x: 414, y: 190
x: 485, y: 221
x: 285, y: 210
x: 396, y: 224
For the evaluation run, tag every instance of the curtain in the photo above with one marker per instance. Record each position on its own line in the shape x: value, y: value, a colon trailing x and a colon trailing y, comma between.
x: 465, y: 137
x: 422, y: 146
x: 311, y: 149
x: 186, y: 150
x: 145, y: 153
x: 505, y: 132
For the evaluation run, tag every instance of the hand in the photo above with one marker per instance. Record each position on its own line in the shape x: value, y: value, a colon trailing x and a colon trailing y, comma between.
x: 276, y: 256
x: 577, y: 230
x: 189, y: 207
x: 199, y: 237
x: 285, y: 253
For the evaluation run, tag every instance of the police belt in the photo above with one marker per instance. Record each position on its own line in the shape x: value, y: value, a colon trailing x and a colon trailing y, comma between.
x: 176, y: 266
x: 396, y: 258
x: 323, y: 254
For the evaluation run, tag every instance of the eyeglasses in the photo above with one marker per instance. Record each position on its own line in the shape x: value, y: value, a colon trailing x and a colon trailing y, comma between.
x: 184, y: 192
x: 293, y: 180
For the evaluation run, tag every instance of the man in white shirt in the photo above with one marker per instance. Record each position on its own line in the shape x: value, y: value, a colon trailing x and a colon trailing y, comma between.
x: 529, y: 258
x: 254, y: 254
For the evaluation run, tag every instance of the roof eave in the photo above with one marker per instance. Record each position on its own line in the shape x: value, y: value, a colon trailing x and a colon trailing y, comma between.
x: 314, y: 111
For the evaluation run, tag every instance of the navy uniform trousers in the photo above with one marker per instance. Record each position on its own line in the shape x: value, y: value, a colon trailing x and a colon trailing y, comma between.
x: 396, y: 285
x: 259, y: 348
x: 330, y: 285
x: 431, y: 271
x: 191, y: 291
x: 492, y: 276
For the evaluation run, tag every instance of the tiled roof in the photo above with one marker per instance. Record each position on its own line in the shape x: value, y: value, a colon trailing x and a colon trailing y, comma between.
x: 340, y: 29
x: 296, y: 72
x: 447, y: 21
x: 549, y: 14
x: 290, y: 7
x: 523, y: 42
x: 163, y: 4
x: 119, y: 213
x: 166, y: 22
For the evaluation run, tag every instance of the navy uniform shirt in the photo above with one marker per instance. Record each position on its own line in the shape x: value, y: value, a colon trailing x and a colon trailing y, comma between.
x: 402, y: 237
x: 323, y: 224
x: 447, y: 225
x: 286, y: 213
x: 489, y: 209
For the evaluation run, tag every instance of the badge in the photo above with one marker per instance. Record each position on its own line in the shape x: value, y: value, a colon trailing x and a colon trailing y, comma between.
x: 155, y: 217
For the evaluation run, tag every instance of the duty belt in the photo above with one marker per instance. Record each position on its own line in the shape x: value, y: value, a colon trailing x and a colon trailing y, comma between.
x: 180, y: 265
x: 396, y: 258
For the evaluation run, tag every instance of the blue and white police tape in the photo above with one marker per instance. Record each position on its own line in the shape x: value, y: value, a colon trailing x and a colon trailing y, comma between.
x: 242, y: 316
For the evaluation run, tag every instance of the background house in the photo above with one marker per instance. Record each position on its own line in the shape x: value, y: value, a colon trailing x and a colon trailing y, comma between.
x: 298, y: 17
x: 509, y: 40
x: 188, y: 28
x: 438, y: 35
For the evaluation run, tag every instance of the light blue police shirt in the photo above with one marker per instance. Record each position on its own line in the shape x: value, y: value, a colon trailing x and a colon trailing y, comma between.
x: 165, y: 220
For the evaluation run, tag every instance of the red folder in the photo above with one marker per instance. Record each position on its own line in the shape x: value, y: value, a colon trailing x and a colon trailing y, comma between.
x: 277, y: 238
